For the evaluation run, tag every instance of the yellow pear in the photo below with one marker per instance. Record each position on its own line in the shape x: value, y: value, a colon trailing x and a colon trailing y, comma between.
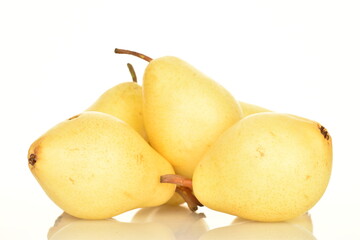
x: 70, y: 228
x: 184, y: 111
x: 95, y: 166
x: 123, y: 101
x: 249, y: 109
x: 267, y: 167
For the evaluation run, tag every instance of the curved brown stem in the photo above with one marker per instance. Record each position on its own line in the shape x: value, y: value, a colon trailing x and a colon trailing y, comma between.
x: 132, y: 72
x: 139, y: 55
x: 176, y: 179
x: 183, y: 188
x: 189, y: 197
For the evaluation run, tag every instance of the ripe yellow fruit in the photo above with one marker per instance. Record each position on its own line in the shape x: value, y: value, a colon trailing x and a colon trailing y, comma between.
x: 123, y: 101
x: 267, y: 167
x: 95, y: 166
x: 184, y: 111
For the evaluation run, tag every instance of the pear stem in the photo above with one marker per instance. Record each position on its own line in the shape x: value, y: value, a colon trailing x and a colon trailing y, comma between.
x: 132, y: 72
x: 176, y: 179
x: 189, y: 197
x: 139, y: 55
x: 183, y: 188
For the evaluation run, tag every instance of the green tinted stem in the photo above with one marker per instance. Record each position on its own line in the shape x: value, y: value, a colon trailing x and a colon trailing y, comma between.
x: 132, y: 72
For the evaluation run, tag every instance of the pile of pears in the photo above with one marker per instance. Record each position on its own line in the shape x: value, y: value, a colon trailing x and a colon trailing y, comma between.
x: 179, y: 137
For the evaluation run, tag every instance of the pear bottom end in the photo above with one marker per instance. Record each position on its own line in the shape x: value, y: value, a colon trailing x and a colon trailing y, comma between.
x: 32, y: 159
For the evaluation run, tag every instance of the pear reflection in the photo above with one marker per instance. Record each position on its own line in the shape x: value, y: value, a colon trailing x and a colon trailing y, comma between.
x: 296, y: 229
x: 183, y: 223
x: 303, y: 221
x: 67, y: 227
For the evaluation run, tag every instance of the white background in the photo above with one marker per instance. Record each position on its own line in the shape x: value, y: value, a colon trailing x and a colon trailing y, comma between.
x: 299, y: 57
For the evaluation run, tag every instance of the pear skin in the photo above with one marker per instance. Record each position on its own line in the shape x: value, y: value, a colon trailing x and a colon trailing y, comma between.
x: 184, y: 111
x: 95, y: 166
x: 249, y: 109
x: 267, y: 167
x: 175, y: 200
x: 123, y: 101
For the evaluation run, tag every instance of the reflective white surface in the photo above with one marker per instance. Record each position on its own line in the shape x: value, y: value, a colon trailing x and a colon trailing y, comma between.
x: 299, y: 57
x: 176, y: 223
